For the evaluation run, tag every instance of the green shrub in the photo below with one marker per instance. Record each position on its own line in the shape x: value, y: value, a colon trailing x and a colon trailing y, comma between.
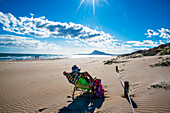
x: 108, y: 62
x: 163, y: 85
x: 166, y: 51
x: 164, y: 62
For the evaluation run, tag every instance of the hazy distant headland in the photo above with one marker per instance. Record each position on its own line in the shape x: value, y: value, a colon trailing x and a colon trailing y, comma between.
x: 96, y: 52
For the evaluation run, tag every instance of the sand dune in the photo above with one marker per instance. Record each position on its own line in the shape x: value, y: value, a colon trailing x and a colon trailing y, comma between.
x: 39, y: 86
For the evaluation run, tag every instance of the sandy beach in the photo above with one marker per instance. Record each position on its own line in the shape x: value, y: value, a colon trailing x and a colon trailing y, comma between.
x: 39, y: 86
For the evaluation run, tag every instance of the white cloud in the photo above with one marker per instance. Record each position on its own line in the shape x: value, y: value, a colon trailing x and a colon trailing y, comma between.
x: 147, y: 43
x: 76, y: 42
x: 164, y: 33
x: 133, y: 42
x: 4, y: 19
x: 72, y: 41
x: 161, y: 42
x: 41, y: 27
x: 25, y: 42
x: 151, y: 33
x: 76, y: 34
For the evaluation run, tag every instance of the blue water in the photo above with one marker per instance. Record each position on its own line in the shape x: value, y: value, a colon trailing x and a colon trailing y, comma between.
x: 12, y: 56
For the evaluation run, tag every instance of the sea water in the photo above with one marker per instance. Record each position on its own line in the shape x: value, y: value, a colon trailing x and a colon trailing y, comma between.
x: 18, y: 56
x: 14, y: 56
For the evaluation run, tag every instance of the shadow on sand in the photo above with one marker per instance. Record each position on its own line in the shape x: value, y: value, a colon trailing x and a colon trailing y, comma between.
x: 83, y: 104
x: 133, y: 103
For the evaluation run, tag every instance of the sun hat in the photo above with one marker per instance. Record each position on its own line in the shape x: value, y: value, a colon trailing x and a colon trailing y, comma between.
x: 75, y: 69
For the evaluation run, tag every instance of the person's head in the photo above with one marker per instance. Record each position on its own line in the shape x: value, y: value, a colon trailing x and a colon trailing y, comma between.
x: 75, y: 69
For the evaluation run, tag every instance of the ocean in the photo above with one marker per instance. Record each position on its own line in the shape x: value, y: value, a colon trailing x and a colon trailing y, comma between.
x: 17, y: 56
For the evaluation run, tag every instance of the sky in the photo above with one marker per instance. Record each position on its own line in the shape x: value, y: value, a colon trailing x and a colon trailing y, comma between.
x: 81, y: 26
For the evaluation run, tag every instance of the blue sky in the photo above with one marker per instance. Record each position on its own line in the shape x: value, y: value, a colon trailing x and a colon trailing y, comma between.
x: 81, y: 26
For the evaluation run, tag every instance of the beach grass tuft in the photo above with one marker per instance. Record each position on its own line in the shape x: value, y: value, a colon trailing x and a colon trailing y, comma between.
x: 163, y: 63
x: 163, y: 85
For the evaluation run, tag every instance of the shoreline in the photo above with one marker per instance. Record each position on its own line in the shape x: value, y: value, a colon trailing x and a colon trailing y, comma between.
x: 32, y: 60
x: 72, y: 56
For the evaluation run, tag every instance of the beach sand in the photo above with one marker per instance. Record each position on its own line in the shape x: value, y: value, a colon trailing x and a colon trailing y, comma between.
x: 39, y: 86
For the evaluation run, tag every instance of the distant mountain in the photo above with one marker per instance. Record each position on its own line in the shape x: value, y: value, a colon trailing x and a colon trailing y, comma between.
x: 163, y: 49
x: 96, y: 52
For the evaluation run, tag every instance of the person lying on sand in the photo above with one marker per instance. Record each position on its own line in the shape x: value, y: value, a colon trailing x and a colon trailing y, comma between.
x: 83, y: 81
